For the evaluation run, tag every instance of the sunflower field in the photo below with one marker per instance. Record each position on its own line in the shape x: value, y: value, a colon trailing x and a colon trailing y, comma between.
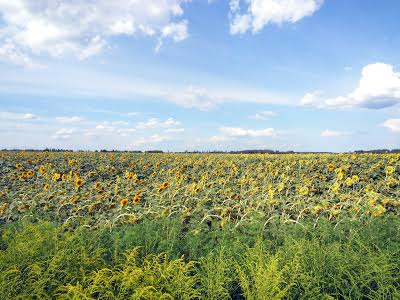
x: 90, y: 225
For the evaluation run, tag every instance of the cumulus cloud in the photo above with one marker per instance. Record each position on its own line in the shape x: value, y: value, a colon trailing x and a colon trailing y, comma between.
x: 175, y: 130
x: 147, y: 141
x: 393, y: 125
x: 69, y: 120
x: 378, y: 87
x: 5, y: 115
x: 240, y: 132
x: 83, y: 28
x: 229, y: 133
x: 64, y: 133
x: 107, y: 128
x: 157, y: 123
x: 264, y: 115
x: 255, y: 14
x: 333, y: 133
x: 311, y: 99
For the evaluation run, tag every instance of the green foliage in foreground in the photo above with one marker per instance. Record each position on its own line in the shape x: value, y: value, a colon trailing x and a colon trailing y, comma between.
x: 165, y: 259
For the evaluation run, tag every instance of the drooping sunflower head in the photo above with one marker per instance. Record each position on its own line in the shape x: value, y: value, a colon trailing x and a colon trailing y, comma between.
x: 46, y: 186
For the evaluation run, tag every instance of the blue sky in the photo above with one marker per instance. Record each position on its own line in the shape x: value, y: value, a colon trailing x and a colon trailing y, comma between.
x: 304, y: 75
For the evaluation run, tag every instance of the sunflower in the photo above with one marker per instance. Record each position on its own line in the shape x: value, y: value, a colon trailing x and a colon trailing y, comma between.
x: 335, y: 187
x: 271, y: 193
x: 165, y: 185
x: 97, y: 185
x: 46, y: 186
x: 389, y: 170
x: 78, y: 182
x: 137, y: 198
x: 64, y: 177
x: 331, y: 167
x: 124, y: 202
x: 349, y: 181
x: 56, y: 177
x: 197, y: 190
x: 281, y: 186
x: 18, y: 166
x: 30, y: 173
x: 304, y: 191
x: 42, y: 169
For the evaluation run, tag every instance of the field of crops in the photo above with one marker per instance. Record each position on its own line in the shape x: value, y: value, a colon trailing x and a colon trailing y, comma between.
x: 84, y: 225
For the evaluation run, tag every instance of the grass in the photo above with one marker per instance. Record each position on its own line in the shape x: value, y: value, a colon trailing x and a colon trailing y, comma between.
x: 166, y: 258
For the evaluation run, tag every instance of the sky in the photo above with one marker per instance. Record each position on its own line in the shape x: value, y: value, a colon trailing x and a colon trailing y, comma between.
x: 176, y: 75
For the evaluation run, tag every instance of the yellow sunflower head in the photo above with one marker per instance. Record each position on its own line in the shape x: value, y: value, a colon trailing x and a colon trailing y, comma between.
x: 46, y: 186
x: 78, y: 182
x: 124, y: 202
x: 389, y: 170
x: 137, y: 198
x: 18, y: 166
x: 349, y: 181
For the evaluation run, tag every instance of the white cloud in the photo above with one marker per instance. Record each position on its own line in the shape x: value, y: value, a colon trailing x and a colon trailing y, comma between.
x: 177, y: 31
x: 313, y: 98
x: 157, y: 123
x: 147, y: 141
x: 82, y: 28
x: 17, y: 116
x: 240, y: 132
x: 259, y: 13
x: 108, y: 128
x: 10, y: 54
x: 69, y: 120
x: 379, y: 87
x: 64, y: 133
x: 264, y: 115
x: 393, y: 125
x: 208, y: 98
x: 175, y: 130
x: 194, y: 97
x: 333, y: 133
x: 229, y: 133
